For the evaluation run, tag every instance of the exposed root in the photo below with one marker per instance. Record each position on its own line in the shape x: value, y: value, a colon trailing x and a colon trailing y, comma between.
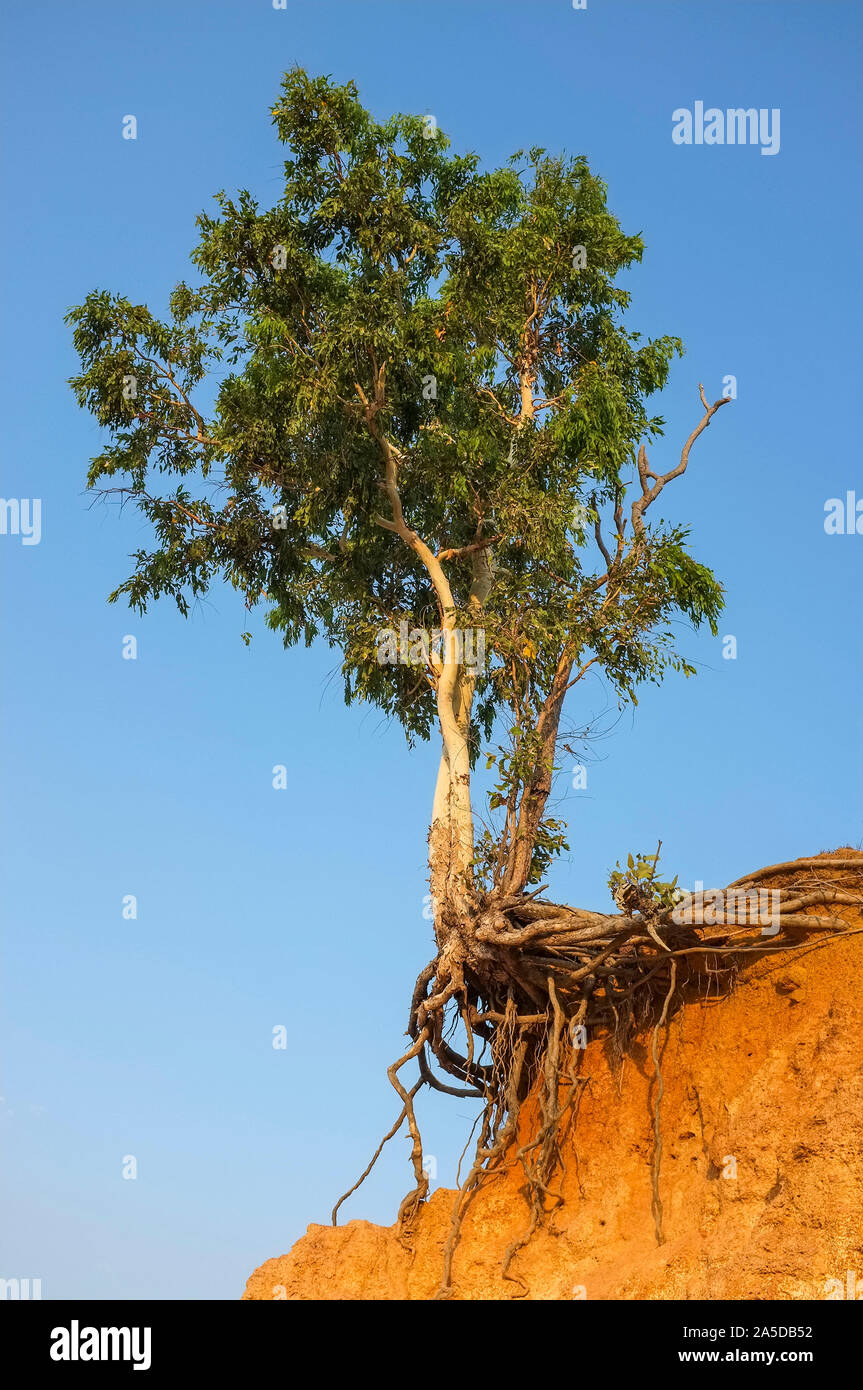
x: 528, y: 983
x: 656, y: 1203
x: 377, y: 1153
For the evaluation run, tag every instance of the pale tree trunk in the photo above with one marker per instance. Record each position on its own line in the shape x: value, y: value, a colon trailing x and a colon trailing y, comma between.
x: 451, y: 835
x: 439, y: 838
x: 451, y: 839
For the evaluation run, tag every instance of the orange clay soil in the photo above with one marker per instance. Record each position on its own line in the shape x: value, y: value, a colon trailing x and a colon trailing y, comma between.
x: 766, y: 1081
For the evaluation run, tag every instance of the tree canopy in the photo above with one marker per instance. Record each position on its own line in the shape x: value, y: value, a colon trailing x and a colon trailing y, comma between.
x: 405, y: 393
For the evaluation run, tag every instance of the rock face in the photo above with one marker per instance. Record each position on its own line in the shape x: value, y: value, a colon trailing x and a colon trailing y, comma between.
x: 761, y: 1174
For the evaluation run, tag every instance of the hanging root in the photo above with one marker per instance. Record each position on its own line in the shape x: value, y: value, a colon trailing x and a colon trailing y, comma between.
x: 656, y: 1203
x: 527, y: 983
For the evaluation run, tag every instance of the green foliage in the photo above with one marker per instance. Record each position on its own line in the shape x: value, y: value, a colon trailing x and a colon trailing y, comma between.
x: 636, y: 889
x: 397, y: 292
x: 549, y: 842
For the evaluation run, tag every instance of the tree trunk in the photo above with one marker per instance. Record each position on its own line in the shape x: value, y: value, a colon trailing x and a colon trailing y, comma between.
x: 536, y: 792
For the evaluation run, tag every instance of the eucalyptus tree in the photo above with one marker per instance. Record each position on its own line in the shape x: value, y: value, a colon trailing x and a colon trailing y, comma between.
x: 404, y: 399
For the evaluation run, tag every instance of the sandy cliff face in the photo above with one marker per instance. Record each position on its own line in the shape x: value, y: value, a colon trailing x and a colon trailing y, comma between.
x: 761, y: 1177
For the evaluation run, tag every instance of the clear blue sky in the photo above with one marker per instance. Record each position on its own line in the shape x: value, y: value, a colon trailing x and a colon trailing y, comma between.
x: 303, y: 908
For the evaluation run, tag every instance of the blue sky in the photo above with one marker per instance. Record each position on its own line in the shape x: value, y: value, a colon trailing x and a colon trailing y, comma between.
x: 304, y: 908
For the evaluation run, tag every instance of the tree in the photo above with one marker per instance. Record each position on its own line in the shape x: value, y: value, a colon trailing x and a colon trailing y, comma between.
x: 427, y: 429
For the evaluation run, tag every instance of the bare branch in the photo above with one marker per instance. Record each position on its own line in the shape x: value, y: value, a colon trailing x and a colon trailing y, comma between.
x: 650, y: 494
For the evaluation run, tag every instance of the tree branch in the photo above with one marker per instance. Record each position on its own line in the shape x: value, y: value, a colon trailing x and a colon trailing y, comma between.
x: 650, y: 494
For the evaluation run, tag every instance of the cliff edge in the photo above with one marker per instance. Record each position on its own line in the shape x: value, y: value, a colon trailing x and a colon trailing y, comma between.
x: 760, y: 1179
